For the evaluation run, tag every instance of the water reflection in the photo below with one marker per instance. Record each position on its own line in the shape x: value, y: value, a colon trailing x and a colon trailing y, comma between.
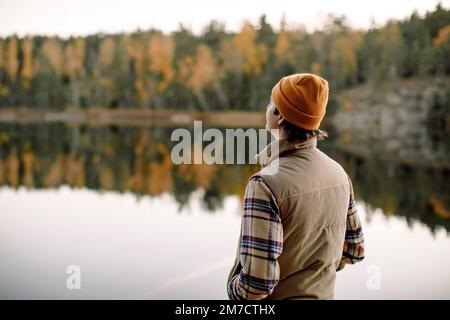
x: 126, y: 247
x: 146, y: 249
x: 110, y: 158
x: 137, y: 159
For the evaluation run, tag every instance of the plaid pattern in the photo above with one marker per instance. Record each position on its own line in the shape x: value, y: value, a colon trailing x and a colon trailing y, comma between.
x: 261, y: 243
x: 354, y: 239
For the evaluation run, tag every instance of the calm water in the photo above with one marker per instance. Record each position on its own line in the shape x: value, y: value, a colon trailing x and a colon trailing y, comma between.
x: 109, y: 200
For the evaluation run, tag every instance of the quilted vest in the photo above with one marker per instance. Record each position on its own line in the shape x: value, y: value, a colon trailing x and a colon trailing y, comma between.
x: 312, y: 192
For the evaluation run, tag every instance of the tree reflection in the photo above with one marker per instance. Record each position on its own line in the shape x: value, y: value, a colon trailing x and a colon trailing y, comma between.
x: 137, y: 160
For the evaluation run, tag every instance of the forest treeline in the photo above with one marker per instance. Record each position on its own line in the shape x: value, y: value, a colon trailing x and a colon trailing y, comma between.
x: 216, y: 70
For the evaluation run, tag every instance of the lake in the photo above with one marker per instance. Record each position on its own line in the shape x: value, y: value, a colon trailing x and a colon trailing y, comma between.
x: 109, y: 200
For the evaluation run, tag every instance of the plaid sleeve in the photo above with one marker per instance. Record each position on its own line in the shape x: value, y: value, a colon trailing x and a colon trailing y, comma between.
x: 261, y: 243
x: 353, y: 251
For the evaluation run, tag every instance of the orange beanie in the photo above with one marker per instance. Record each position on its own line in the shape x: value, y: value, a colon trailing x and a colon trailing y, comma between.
x: 302, y: 99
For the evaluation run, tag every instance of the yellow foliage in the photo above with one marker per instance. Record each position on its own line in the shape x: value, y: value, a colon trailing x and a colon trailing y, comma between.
x: 2, y: 171
x: 73, y: 63
x: 161, y: 51
x: 388, y: 40
x: 343, y: 53
x: 185, y: 171
x: 3, y: 91
x: 443, y: 36
x: 141, y: 143
x: 75, y: 173
x: 390, y: 33
x: 438, y: 207
x: 316, y: 67
x: 106, y: 51
x: 52, y: 50
x: 80, y: 48
x: 230, y: 57
x: 389, y: 205
x: 204, y: 71
x: 185, y: 67
x: 254, y: 55
x: 160, y: 175
x: 28, y: 169
x: 106, y: 178
x: 282, y: 46
x: 12, y: 169
x: 204, y: 173
x: 196, y: 73
x: 4, y: 137
x: 1, y: 53
x: 136, y: 180
x: 142, y: 94
x: 11, y: 57
x: 135, y: 183
x: 135, y: 51
x: 345, y: 45
x: 54, y: 175
x: 27, y: 69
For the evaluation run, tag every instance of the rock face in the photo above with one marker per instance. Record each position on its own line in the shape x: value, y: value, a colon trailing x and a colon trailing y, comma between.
x: 407, y: 121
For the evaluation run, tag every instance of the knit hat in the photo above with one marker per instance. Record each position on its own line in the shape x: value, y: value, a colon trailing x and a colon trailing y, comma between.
x: 302, y: 99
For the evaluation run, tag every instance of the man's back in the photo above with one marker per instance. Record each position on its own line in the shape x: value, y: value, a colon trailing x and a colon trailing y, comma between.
x: 299, y: 224
x: 312, y: 192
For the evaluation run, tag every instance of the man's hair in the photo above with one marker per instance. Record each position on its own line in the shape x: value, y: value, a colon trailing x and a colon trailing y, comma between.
x: 295, y: 133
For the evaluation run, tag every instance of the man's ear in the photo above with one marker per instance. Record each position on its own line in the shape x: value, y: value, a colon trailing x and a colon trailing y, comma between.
x: 280, y: 119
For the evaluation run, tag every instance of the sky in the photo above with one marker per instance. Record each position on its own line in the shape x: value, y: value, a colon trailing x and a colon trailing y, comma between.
x: 83, y: 17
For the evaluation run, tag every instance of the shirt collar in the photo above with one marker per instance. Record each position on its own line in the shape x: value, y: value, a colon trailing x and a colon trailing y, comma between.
x: 281, y: 147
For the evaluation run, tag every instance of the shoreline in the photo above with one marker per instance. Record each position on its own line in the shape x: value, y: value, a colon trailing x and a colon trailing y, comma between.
x: 102, y: 116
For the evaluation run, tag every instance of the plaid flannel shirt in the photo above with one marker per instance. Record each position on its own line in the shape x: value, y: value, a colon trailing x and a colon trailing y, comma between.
x: 261, y: 243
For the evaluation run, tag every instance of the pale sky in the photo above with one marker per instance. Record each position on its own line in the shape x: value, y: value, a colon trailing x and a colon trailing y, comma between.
x: 82, y: 17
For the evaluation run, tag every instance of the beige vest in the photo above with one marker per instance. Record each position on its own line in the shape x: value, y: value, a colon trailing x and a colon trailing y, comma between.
x: 312, y: 192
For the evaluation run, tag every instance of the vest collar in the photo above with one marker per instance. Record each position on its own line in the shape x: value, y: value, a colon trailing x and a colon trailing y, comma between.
x: 281, y: 147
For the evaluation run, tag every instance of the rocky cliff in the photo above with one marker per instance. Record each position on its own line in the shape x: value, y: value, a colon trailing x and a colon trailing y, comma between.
x: 407, y: 121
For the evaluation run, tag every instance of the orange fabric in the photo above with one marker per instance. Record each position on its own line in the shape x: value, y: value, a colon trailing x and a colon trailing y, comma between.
x: 302, y: 99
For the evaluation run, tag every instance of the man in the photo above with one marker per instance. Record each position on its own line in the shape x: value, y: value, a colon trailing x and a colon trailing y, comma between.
x: 300, y: 223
